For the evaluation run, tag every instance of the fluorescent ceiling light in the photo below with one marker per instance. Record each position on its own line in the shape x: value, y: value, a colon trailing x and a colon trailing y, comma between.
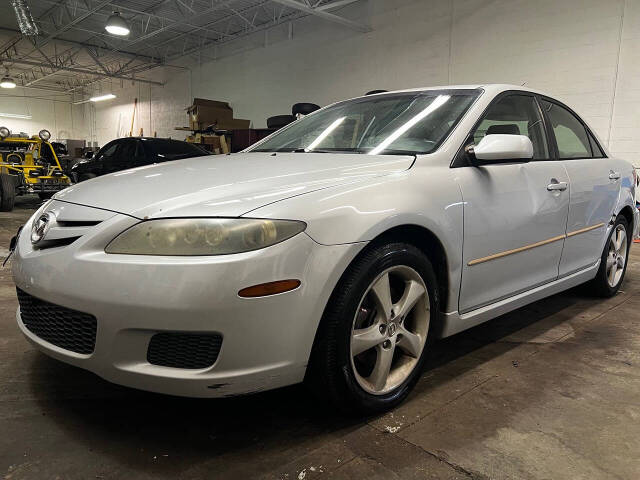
x: 100, y: 98
x: 7, y: 82
x: 116, y: 25
x: 16, y: 115
x: 433, y: 106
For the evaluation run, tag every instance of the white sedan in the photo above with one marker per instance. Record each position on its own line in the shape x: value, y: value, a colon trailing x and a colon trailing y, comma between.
x: 334, y: 251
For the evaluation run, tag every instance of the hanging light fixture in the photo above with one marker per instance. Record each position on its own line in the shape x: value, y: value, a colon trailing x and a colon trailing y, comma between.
x: 7, y: 82
x: 116, y: 25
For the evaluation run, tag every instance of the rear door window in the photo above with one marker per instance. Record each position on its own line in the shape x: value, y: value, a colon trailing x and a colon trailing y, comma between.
x: 571, y: 135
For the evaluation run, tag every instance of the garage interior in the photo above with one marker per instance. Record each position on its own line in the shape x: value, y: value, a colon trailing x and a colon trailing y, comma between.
x: 551, y: 390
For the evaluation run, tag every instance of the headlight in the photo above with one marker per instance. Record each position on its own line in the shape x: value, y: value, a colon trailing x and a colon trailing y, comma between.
x: 202, y: 236
x: 44, y: 135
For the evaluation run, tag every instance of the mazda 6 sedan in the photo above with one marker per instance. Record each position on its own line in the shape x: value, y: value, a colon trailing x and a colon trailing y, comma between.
x: 335, y: 251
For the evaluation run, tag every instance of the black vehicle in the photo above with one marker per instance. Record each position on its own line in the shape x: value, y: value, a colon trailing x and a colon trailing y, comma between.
x: 132, y: 152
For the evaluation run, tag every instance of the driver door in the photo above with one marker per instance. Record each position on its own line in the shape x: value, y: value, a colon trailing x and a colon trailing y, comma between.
x: 514, y: 217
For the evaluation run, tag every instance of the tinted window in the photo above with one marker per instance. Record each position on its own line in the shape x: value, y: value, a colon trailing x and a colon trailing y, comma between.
x: 174, y: 149
x: 127, y: 150
x: 107, y: 151
x: 515, y: 115
x: 571, y: 136
x: 595, y: 148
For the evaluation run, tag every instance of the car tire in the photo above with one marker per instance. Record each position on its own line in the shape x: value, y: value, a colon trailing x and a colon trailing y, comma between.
x: 86, y: 176
x: 613, y: 263
x: 279, y: 121
x: 7, y: 192
x: 304, y: 108
x: 349, y: 380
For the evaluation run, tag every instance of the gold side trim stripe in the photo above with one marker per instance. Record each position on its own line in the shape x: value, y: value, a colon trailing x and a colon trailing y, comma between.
x: 533, y: 245
x: 583, y: 230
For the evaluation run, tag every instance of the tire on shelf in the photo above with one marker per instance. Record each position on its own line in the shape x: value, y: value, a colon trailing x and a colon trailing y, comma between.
x: 279, y: 121
x: 304, y: 108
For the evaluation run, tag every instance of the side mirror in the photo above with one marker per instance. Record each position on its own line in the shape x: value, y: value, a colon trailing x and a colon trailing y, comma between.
x: 502, y: 148
x: 88, y: 155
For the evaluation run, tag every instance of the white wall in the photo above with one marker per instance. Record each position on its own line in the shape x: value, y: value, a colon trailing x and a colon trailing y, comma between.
x: 48, y: 110
x: 585, y: 52
x: 159, y: 108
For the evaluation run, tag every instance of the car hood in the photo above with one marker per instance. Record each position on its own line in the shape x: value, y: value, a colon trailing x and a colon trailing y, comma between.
x: 225, y: 185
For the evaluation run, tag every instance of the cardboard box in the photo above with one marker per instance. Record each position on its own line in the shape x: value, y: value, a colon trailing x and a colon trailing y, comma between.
x: 232, y: 124
x: 205, y: 112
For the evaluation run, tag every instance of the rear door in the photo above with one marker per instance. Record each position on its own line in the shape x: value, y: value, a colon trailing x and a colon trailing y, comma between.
x: 595, y: 183
x: 515, y: 213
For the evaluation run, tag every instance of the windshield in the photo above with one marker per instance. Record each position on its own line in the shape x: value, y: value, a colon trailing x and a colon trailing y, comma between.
x: 400, y: 124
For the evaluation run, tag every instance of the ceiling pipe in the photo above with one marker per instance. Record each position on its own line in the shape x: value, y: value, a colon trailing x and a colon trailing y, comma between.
x: 25, y: 19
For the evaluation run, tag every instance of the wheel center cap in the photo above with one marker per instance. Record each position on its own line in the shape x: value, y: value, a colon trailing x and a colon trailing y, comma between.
x: 392, y: 329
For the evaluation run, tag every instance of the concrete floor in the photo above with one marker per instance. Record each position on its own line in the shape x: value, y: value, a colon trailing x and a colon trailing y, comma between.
x: 549, y: 391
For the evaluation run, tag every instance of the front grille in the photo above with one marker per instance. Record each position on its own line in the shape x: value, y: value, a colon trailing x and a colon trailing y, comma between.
x: 63, y: 327
x: 184, y: 350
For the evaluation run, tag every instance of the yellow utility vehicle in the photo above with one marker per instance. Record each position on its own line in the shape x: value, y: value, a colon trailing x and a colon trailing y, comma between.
x: 28, y: 165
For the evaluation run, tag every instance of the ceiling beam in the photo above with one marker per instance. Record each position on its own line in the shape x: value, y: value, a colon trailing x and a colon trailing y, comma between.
x: 76, y: 20
x: 88, y: 72
x: 322, y: 13
x: 98, y: 47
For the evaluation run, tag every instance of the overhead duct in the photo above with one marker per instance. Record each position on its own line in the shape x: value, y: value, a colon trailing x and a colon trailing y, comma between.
x: 24, y: 17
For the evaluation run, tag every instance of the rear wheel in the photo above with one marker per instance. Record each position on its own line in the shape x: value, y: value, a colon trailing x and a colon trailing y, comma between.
x: 375, y: 334
x: 7, y: 192
x: 613, y: 263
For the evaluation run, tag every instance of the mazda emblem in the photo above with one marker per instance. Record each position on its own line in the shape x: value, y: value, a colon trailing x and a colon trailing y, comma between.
x: 40, y: 228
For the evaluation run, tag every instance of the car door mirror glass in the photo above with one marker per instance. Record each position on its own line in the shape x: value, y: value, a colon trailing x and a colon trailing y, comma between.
x: 500, y: 148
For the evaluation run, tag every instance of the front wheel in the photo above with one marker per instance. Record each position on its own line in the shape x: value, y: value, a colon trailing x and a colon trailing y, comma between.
x: 613, y: 263
x: 377, y: 327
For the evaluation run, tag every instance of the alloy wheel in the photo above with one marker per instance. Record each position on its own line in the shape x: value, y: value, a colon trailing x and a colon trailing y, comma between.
x: 389, y: 329
x: 617, y: 256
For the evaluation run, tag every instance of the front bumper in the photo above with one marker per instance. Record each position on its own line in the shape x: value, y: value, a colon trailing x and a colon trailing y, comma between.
x: 266, y: 341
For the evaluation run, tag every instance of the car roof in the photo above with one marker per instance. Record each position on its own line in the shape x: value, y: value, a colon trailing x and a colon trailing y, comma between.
x: 493, y: 88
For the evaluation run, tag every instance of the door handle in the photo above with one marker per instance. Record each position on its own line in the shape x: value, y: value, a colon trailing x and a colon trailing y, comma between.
x: 555, y: 186
x: 614, y: 175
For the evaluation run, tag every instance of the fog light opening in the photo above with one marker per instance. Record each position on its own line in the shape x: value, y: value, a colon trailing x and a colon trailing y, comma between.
x: 270, y: 288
